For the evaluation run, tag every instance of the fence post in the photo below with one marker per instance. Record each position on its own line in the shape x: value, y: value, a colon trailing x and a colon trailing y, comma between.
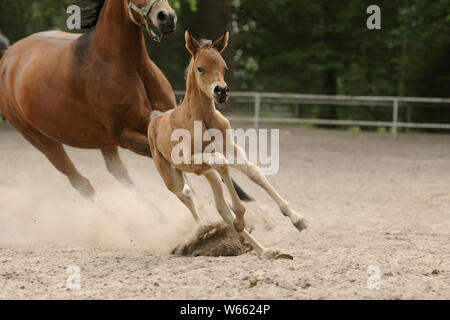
x: 297, y: 111
x: 257, y: 110
x: 409, y: 116
x: 395, y: 119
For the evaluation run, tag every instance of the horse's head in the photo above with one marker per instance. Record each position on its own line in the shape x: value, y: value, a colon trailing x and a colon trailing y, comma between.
x: 209, y: 67
x: 153, y: 14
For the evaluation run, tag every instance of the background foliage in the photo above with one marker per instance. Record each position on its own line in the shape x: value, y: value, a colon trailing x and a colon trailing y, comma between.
x: 303, y: 46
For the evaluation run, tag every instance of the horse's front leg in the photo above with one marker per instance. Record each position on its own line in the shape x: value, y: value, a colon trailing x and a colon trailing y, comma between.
x: 116, y: 167
x: 135, y: 142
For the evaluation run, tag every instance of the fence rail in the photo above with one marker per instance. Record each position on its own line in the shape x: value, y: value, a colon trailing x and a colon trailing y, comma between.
x: 298, y: 99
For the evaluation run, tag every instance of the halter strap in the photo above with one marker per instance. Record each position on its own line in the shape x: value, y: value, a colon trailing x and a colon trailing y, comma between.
x: 154, y: 34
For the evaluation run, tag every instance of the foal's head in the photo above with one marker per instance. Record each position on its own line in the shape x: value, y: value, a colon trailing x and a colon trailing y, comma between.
x: 209, y: 67
x: 160, y: 16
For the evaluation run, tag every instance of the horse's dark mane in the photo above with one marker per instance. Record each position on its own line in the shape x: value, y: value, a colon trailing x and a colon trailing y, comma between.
x: 90, y: 12
x: 4, y: 45
x: 4, y: 42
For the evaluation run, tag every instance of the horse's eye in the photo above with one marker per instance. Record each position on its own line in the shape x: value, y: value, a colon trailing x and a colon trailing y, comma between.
x: 200, y: 69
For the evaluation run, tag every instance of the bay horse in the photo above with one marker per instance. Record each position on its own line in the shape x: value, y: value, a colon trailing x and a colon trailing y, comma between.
x: 94, y: 90
x: 205, y: 87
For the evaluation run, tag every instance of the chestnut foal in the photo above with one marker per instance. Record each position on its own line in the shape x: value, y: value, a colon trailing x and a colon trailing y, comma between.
x: 206, y: 85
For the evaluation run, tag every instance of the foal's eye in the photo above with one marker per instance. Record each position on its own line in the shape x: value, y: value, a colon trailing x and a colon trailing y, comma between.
x: 200, y: 69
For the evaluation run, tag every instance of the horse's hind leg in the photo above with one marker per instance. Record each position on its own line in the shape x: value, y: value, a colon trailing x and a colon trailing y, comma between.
x: 116, y: 167
x: 55, y: 153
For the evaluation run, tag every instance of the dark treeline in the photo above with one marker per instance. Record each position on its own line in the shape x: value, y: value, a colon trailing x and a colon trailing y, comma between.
x: 301, y: 46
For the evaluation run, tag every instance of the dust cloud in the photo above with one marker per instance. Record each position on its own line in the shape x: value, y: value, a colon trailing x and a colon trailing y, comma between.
x: 36, y: 212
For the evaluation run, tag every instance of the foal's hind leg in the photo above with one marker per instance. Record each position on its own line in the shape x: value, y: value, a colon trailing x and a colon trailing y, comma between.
x: 55, y: 153
x: 175, y: 182
x: 258, y: 177
x: 116, y: 167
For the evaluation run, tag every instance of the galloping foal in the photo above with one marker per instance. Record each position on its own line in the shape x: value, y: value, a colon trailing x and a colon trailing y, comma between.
x: 206, y: 85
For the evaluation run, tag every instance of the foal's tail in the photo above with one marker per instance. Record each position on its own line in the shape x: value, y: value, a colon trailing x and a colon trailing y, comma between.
x: 241, y: 193
x: 4, y: 45
x: 155, y: 113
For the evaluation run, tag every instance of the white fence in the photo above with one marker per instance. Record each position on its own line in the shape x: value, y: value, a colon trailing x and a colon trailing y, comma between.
x: 298, y: 99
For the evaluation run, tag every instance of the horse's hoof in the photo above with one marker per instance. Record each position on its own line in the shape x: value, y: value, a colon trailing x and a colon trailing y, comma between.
x: 301, y: 224
x: 276, y: 254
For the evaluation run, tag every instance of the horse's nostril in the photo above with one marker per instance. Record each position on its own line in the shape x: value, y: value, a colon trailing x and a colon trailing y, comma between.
x: 218, y: 90
x: 227, y: 89
x: 162, y: 16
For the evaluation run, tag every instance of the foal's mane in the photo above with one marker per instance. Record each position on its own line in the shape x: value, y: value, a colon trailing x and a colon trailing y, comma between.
x: 90, y: 12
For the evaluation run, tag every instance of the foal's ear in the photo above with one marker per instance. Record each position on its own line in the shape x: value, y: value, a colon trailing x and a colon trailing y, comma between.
x: 192, y: 45
x: 222, y: 43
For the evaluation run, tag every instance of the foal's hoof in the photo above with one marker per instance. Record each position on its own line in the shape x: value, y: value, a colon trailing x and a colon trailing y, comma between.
x: 276, y: 254
x: 301, y: 224
x: 239, y: 226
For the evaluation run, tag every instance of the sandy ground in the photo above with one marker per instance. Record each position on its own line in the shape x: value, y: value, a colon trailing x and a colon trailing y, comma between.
x: 372, y: 202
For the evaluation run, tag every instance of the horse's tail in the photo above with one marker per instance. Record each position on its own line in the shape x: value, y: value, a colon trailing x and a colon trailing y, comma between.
x: 4, y: 45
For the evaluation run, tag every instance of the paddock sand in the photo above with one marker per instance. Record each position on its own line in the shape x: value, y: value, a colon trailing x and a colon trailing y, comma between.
x: 370, y: 201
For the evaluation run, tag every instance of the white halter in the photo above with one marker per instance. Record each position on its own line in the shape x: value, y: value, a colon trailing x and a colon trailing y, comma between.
x: 154, y: 34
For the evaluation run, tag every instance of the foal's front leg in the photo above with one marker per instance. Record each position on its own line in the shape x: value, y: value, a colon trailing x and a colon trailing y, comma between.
x: 221, y: 165
x: 258, y: 177
x: 222, y: 206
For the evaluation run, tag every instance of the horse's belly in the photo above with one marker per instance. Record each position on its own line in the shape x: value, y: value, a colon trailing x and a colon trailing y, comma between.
x: 86, y: 136
x: 70, y: 123
x: 66, y: 120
